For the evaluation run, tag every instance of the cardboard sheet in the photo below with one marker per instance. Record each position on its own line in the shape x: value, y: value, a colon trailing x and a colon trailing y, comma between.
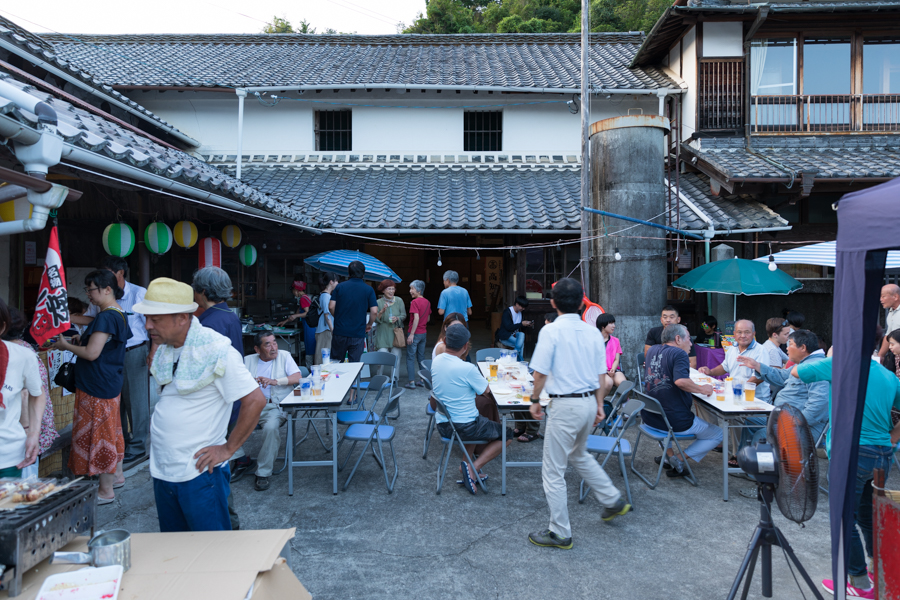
x: 210, y: 564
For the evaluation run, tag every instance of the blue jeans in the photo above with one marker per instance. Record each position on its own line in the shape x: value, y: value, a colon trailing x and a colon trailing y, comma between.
x: 870, y: 458
x: 415, y: 354
x: 517, y: 341
x: 196, y: 505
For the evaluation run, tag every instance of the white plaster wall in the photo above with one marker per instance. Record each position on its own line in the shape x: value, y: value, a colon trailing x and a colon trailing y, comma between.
x: 689, y: 74
x: 287, y: 128
x: 722, y: 39
x: 4, y: 267
x: 673, y: 58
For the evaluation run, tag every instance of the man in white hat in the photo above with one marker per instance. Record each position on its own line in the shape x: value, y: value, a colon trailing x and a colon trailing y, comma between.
x: 199, y: 375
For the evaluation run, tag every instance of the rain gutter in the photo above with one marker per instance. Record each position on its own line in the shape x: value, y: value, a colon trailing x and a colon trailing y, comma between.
x: 364, y: 230
x: 464, y: 88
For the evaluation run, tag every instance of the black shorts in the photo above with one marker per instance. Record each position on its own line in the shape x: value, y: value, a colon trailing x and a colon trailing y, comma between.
x: 477, y: 430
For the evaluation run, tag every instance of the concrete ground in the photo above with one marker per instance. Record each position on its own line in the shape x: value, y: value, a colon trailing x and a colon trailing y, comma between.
x: 679, y: 542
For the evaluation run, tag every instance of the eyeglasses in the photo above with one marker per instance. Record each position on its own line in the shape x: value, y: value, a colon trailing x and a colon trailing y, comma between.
x: 88, y: 290
x: 785, y: 323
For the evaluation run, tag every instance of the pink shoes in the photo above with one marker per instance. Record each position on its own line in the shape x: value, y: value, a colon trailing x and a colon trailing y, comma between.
x: 852, y: 592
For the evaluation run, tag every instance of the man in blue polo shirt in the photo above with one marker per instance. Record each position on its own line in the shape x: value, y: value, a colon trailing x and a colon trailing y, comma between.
x: 353, y: 306
x: 454, y: 299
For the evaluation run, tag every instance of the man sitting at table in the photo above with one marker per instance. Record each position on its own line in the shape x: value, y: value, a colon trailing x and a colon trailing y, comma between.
x: 669, y: 316
x: 747, y: 346
x: 669, y: 382
x: 456, y: 383
x: 809, y: 398
x: 277, y: 375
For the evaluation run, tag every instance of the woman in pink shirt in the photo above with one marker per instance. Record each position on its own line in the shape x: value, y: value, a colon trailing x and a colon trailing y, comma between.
x: 606, y: 323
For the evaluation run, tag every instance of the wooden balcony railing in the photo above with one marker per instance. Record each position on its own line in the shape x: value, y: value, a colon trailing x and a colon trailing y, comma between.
x: 825, y: 113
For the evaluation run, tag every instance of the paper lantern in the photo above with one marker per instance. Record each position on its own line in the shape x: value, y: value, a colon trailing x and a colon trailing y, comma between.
x: 15, y: 210
x: 158, y: 238
x: 185, y: 234
x: 231, y: 236
x: 118, y: 239
x: 210, y: 252
x: 248, y: 255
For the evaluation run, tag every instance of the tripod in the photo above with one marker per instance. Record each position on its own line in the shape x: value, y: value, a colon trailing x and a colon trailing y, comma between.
x: 764, y: 537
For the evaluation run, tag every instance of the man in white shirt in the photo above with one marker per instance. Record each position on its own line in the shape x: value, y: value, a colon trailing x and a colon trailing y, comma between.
x: 744, y: 335
x: 890, y: 300
x: 134, y: 407
x: 569, y: 359
x: 277, y: 375
x: 200, y: 375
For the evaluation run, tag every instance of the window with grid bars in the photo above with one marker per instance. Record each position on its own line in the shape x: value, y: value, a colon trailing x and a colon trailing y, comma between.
x: 334, y: 130
x: 483, y: 131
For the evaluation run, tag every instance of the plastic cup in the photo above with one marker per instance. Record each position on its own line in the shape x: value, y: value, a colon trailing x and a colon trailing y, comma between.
x: 493, y: 369
x: 738, y: 387
x: 719, y: 388
x: 749, y: 392
x: 305, y: 387
x: 318, y: 385
x: 326, y: 356
x: 316, y: 371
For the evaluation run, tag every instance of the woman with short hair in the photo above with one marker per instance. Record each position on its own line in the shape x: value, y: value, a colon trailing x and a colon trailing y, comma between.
x: 97, y: 443
x: 391, y: 314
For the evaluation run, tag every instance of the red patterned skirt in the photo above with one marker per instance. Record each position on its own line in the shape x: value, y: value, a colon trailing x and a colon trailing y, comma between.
x: 97, y: 442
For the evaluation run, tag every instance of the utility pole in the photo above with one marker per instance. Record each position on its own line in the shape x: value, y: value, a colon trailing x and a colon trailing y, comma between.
x: 586, y: 218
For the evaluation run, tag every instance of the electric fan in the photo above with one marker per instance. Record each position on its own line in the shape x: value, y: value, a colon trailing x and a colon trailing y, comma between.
x: 786, y: 468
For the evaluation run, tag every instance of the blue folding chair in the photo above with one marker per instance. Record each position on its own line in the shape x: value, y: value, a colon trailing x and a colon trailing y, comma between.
x: 381, y: 360
x: 379, y: 431
x: 425, y: 376
x: 448, y: 448
x: 640, y: 372
x: 621, y: 418
x: 426, y: 364
x: 486, y: 353
x: 378, y: 385
x: 665, y: 439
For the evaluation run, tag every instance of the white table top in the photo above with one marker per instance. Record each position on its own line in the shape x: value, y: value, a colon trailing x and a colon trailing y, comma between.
x: 729, y: 406
x: 504, y: 395
x: 339, y: 378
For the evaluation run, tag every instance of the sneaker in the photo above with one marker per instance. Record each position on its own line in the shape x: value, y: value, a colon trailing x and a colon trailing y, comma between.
x: 239, y: 469
x: 130, y: 459
x: 548, y: 539
x: 852, y: 592
x: 667, y: 464
x: 619, y: 508
x: 262, y: 484
x: 411, y: 385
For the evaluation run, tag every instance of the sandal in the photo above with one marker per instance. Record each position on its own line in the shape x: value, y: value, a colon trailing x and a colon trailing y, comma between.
x: 519, y: 432
x: 733, y: 463
x: 529, y: 437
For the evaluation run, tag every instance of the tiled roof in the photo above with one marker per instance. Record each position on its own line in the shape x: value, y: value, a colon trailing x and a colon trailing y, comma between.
x: 434, y: 197
x: 790, y: 7
x: 43, y: 50
x: 829, y: 156
x: 727, y: 213
x: 84, y: 129
x: 551, y: 61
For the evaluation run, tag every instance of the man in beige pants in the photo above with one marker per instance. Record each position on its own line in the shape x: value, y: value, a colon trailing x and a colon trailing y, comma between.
x: 569, y: 360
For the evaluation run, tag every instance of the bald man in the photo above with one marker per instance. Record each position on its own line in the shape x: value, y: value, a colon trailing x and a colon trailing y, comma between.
x: 747, y: 346
x: 890, y: 299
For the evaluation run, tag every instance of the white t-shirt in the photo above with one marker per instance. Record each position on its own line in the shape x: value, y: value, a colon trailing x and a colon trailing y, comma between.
x: 183, y: 424
x: 264, y: 369
x: 516, y: 316
x: 21, y: 373
x: 777, y: 357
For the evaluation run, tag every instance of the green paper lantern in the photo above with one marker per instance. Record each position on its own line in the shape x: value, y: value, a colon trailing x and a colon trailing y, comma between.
x: 248, y: 255
x: 118, y: 239
x: 158, y: 238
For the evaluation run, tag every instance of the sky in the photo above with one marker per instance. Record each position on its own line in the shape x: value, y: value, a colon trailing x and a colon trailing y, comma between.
x: 207, y: 16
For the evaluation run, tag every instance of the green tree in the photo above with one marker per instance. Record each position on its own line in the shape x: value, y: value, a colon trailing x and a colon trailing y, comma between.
x: 445, y: 16
x: 278, y: 25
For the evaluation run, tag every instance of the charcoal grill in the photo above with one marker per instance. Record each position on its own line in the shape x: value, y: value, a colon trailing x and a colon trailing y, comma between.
x: 31, y: 534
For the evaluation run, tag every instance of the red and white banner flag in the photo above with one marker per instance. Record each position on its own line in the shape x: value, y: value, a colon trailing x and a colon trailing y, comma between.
x: 51, y: 315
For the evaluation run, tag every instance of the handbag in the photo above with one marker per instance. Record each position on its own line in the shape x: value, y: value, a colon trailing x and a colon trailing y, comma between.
x: 65, y: 377
x: 399, y: 338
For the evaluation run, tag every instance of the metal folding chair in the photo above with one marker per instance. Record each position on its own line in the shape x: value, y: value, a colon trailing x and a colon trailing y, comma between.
x: 665, y: 439
x: 425, y: 376
x: 640, y: 372
x: 426, y: 365
x: 820, y: 443
x: 448, y: 448
x: 382, y: 360
x: 621, y: 394
x: 486, y: 353
x: 381, y: 432
x: 362, y: 415
x: 622, y: 417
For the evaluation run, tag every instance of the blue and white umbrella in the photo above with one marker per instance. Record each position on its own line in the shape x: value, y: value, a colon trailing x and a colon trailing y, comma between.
x: 822, y: 254
x: 337, y: 261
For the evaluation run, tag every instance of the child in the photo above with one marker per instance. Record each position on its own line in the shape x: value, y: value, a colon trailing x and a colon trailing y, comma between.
x: 606, y: 323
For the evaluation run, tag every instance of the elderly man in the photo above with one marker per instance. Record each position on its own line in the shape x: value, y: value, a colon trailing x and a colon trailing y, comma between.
x: 135, y: 403
x: 747, y: 346
x: 668, y: 316
x: 456, y: 382
x: 669, y: 381
x: 890, y: 300
x: 511, y: 324
x: 454, y: 299
x: 809, y: 398
x: 200, y: 376
x: 278, y: 375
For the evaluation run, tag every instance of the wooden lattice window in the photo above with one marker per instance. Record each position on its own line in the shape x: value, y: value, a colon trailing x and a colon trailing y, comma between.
x: 721, y: 94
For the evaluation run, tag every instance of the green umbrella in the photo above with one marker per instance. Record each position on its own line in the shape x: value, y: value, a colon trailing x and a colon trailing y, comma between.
x: 738, y: 276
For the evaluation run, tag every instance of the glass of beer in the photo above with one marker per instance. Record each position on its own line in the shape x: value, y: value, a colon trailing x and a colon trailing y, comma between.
x: 719, y: 388
x: 749, y: 392
x: 492, y: 366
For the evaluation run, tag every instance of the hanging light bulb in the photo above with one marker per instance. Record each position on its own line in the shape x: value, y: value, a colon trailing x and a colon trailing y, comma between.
x: 617, y: 256
x: 264, y: 245
x: 439, y: 259
x: 772, y: 265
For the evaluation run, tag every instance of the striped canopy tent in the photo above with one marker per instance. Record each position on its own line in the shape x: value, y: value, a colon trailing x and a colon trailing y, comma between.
x: 823, y: 254
x: 336, y: 261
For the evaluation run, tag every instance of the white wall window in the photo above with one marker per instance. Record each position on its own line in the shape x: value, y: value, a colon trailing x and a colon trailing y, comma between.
x: 483, y: 131
x: 334, y: 130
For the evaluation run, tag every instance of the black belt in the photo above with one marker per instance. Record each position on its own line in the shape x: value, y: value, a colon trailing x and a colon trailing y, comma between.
x: 574, y: 395
x: 135, y: 346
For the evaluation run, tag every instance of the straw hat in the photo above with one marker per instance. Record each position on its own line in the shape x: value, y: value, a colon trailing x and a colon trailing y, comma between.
x: 167, y: 297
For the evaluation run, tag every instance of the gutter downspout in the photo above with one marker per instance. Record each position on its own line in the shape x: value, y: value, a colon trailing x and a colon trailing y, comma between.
x: 241, y: 94
x: 189, y: 141
x: 42, y: 203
